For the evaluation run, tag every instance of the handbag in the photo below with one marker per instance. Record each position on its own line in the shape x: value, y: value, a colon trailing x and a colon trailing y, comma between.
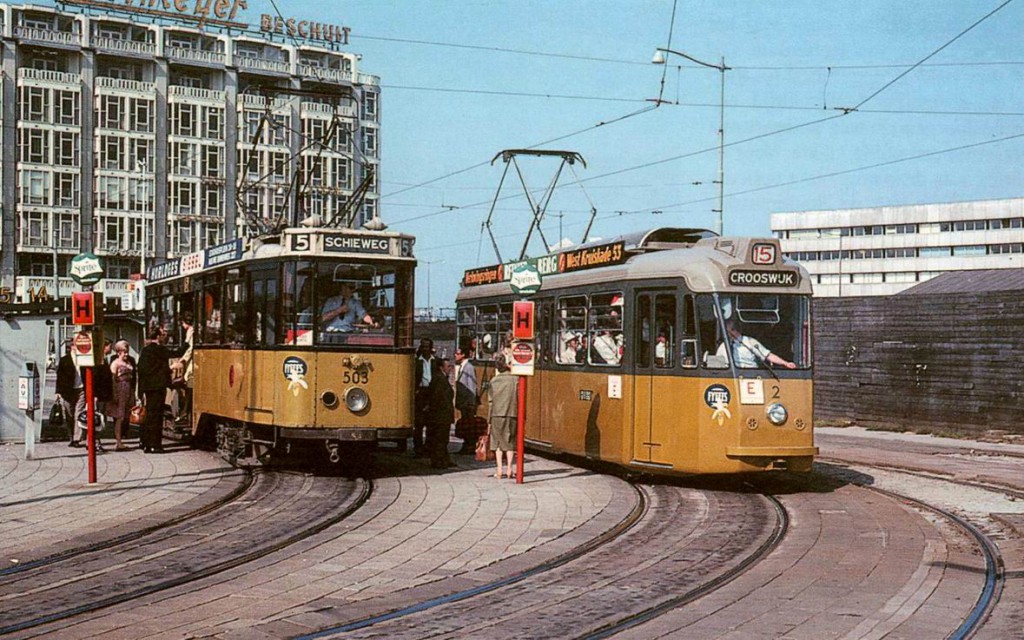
x: 483, y: 448
x: 137, y: 415
x: 57, y: 414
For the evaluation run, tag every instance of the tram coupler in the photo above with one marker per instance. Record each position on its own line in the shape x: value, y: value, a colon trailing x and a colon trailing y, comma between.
x: 332, y: 451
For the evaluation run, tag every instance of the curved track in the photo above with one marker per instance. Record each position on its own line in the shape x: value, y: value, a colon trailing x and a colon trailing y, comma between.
x: 260, y: 522
x: 686, y: 543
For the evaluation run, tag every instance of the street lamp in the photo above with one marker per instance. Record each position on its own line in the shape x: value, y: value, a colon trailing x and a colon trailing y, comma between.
x: 430, y: 309
x: 659, y: 58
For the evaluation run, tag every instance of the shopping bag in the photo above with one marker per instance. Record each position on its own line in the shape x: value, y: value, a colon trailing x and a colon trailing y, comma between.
x: 57, y: 414
x: 483, y: 448
x: 137, y: 415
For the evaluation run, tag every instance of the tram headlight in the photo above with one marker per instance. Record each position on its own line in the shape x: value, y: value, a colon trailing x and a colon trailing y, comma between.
x: 777, y: 414
x: 356, y: 400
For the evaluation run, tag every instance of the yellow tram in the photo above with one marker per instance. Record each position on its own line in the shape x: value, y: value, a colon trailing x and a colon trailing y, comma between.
x: 671, y: 351
x: 302, y: 338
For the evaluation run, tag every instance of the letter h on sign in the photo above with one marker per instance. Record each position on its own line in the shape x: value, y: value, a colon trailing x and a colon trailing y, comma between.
x: 522, y: 320
x: 86, y: 308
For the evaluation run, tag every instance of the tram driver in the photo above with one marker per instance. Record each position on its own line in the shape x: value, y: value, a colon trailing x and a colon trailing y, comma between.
x: 342, y: 312
x: 747, y: 351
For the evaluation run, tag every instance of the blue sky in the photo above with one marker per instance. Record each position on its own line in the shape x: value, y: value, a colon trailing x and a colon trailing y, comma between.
x: 463, y: 80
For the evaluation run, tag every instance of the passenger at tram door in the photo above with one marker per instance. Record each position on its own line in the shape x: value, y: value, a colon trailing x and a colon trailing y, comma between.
x: 570, y: 349
x: 424, y: 375
x: 660, y: 350
x: 342, y: 312
x: 747, y: 351
x: 440, y: 414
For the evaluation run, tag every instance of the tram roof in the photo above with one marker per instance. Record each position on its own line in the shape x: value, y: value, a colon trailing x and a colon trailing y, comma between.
x: 707, y: 262
x: 298, y: 243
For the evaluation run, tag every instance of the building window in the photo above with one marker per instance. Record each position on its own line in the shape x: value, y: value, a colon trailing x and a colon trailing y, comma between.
x: 67, y: 148
x: 138, y: 153
x: 901, y: 252
x: 901, y: 277
x: 109, y: 116
x: 110, y: 147
x: 35, y: 231
x: 934, y: 252
x: 866, y: 278
x: 969, y: 250
x: 214, y: 123
x: 931, y: 227
x: 35, y: 187
x: 141, y: 118
x: 33, y: 146
x: 211, y: 162
x: 183, y: 119
x: 34, y: 104
x: 1013, y: 247
x: 67, y: 230
x: 66, y: 192
x: 370, y: 106
x: 211, y: 200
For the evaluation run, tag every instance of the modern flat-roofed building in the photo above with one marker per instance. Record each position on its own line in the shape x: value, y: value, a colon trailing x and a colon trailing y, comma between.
x: 884, y: 250
x: 142, y: 132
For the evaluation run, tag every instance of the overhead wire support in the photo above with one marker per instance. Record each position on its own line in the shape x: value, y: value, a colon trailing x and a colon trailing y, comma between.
x: 538, y: 210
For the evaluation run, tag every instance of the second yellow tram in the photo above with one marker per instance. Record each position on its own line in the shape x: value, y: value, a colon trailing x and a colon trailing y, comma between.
x: 646, y: 352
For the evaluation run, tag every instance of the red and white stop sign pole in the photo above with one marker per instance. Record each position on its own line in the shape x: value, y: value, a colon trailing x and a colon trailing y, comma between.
x: 90, y: 415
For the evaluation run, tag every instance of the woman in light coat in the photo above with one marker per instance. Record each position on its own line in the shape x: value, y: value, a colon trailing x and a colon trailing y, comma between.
x: 504, y: 413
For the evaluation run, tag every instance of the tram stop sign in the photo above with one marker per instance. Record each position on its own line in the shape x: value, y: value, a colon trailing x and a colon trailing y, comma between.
x: 525, y: 280
x: 86, y: 269
x: 523, y: 356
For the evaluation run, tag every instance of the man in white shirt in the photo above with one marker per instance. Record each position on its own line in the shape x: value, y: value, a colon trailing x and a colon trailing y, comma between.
x: 343, y: 311
x: 748, y: 352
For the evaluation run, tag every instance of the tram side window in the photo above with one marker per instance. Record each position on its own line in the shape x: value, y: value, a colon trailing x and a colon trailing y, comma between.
x: 605, y: 326
x: 212, y: 324
x: 487, y: 331
x: 237, y: 321
x: 710, y: 334
x: 466, y: 323
x: 544, y: 330
x: 264, y: 305
x: 572, y: 330
x: 688, y: 336
x: 296, y: 304
x: 665, y: 331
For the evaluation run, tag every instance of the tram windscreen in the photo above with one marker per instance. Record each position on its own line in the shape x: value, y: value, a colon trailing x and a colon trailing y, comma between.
x: 754, y: 325
x: 330, y: 303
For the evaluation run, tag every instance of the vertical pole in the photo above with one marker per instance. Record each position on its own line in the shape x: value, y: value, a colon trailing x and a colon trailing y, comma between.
x: 520, y: 429
x: 30, y: 434
x: 719, y: 222
x: 90, y: 417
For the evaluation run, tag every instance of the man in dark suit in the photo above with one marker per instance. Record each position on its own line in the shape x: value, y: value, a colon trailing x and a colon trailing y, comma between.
x: 154, y: 378
x: 424, y: 368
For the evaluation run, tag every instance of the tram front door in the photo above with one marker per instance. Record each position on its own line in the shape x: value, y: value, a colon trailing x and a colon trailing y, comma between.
x: 655, y: 411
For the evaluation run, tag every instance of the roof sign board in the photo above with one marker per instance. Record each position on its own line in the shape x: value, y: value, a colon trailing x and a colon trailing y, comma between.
x: 604, y: 255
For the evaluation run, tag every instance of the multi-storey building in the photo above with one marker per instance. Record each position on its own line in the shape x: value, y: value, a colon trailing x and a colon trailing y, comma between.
x: 884, y: 250
x: 141, y: 141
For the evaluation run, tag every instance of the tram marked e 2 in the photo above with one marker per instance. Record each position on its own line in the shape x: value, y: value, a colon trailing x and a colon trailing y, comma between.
x: 634, y: 360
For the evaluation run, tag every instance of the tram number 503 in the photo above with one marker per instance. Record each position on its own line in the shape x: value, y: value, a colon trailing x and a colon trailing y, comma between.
x: 355, y: 377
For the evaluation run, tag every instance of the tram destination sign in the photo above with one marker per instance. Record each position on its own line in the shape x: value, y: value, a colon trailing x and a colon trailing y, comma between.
x: 604, y: 255
x: 761, y: 278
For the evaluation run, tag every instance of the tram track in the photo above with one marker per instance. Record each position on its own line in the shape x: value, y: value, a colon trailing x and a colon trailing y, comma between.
x: 623, y: 571
x: 259, y: 522
x: 994, y: 575
x: 106, y: 543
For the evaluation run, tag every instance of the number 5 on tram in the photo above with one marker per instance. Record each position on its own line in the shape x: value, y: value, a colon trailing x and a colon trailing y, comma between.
x: 671, y: 351
x: 304, y: 339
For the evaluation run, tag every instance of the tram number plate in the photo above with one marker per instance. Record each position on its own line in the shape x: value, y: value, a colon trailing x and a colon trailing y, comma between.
x: 586, y: 395
x: 355, y: 377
